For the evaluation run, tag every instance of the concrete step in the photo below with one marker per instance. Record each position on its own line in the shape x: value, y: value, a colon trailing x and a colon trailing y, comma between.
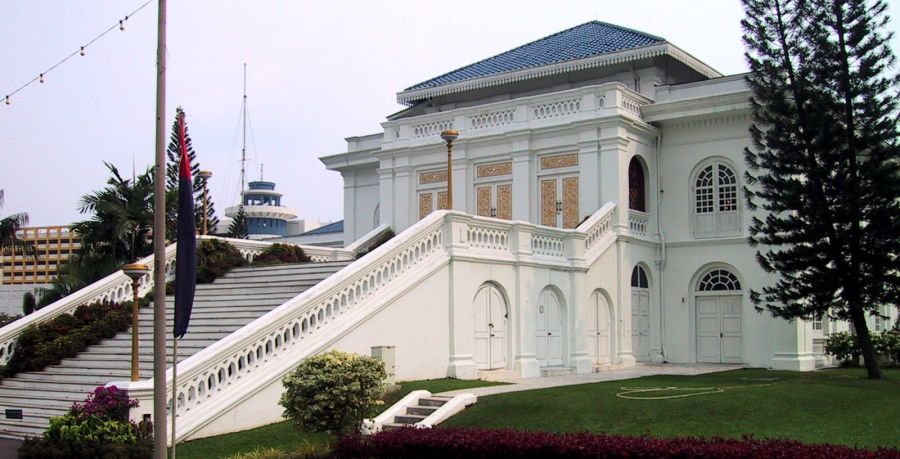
x: 320, y: 266
x: 434, y: 400
x: 557, y: 371
x: 408, y: 418
x: 421, y: 410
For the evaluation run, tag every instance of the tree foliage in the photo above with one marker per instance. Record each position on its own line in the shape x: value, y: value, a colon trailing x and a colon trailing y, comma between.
x: 173, y: 153
x: 824, y: 161
x: 9, y: 238
x: 238, y: 227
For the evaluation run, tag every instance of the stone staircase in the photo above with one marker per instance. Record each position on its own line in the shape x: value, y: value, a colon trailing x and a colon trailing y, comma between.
x: 220, y: 308
x: 417, y: 413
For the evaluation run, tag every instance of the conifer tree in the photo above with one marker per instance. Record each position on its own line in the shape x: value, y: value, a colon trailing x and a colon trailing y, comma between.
x: 825, y: 161
x: 173, y: 152
x: 238, y: 227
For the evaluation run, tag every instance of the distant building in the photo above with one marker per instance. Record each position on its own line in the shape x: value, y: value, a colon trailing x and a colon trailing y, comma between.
x: 22, y: 273
x: 266, y: 217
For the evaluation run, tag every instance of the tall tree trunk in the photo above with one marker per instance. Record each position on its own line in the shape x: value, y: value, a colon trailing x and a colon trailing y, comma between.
x: 865, y: 342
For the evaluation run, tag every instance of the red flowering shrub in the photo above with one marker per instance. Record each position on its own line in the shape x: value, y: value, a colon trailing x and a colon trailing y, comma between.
x: 484, y: 443
x: 105, y: 402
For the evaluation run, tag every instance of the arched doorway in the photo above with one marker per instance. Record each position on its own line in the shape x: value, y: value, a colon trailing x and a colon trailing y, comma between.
x: 548, y: 325
x: 718, y: 299
x: 599, y: 333
x: 640, y: 314
x: 490, y: 328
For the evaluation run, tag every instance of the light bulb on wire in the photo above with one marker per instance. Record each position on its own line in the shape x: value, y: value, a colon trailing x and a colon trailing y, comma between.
x: 82, y: 51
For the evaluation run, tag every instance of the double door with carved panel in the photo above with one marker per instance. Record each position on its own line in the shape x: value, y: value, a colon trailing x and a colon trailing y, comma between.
x: 559, y: 201
x: 494, y: 200
x: 432, y: 200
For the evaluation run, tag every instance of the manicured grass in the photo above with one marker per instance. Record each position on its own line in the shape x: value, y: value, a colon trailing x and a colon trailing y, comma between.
x: 833, y: 406
x: 285, y: 436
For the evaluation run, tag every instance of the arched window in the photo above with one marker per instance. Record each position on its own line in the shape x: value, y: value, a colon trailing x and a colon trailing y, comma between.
x: 639, y: 278
x: 637, y: 197
x: 715, y: 201
x: 718, y: 280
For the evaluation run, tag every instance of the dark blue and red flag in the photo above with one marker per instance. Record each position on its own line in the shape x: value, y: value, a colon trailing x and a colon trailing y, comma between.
x: 186, y: 252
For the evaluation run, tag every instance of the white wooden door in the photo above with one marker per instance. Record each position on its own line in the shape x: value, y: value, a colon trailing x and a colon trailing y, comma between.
x: 494, y: 200
x: 719, y: 329
x: 490, y: 328
x: 559, y: 201
x: 640, y: 324
x: 598, y: 333
x: 549, y: 330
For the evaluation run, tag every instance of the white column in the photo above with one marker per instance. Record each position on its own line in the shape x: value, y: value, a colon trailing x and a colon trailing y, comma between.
x: 462, y: 355
x: 349, y: 207
x: 460, y: 179
x: 521, y: 172
x: 589, y: 177
x: 614, y: 171
x: 403, y: 193
x: 623, y: 308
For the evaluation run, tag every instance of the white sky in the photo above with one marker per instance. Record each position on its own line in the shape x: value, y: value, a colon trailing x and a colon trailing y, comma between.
x: 317, y: 73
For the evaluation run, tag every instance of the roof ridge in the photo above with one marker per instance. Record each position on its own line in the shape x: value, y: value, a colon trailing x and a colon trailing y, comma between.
x: 619, y: 28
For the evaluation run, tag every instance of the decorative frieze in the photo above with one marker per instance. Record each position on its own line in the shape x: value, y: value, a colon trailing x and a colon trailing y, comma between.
x: 426, y: 178
x: 493, y: 170
x: 558, y: 161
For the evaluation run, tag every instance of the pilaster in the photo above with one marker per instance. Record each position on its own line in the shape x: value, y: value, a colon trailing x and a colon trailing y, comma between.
x: 521, y: 169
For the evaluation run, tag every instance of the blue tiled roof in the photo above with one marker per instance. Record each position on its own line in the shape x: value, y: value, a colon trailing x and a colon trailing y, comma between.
x: 586, y: 40
x: 336, y: 227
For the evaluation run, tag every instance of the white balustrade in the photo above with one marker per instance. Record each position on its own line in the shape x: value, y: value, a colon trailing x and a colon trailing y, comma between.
x: 547, y: 245
x: 432, y: 129
x: 637, y: 222
x: 556, y: 109
x: 492, y: 119
x: 632, y: 106
x: 488, y: 238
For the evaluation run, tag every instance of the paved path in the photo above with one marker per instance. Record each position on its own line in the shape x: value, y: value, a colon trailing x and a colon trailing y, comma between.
x: 638, y: 371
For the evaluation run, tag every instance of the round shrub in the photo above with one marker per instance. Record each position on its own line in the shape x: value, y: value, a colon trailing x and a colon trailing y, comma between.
x: 215, y: 258
x: 277, y: 254
x: 334, y: 391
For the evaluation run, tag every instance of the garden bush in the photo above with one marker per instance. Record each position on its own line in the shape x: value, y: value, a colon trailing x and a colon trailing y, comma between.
x: 66, y: 335
x: 306, y: 451
x: 844, y: 345
x: 385, y: 236
x: 215, y: 258
x: 483, y: 443
x: 333, y: 392
x: 277, y: 254
x: 97, y: 428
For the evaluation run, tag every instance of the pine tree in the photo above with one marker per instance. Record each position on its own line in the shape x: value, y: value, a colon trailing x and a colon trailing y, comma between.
x: 238, y: 227
x: 173, y: 152
x: 824, y: 161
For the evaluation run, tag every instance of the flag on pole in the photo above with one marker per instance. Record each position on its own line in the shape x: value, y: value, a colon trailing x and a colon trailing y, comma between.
x: 186, y: 252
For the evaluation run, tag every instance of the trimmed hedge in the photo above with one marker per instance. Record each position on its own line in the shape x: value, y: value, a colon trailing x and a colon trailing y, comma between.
x: 485, y: 443
x: 66, y: 335
x: 214, y: 259
x: 277, y: 254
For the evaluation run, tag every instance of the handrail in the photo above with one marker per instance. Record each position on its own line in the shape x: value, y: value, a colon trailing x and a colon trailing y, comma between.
x: 116, y: 287
x: 261, y: 352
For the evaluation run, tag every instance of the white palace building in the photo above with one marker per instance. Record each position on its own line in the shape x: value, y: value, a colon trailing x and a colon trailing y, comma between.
x: 597, y: 221
x: 597, y: 117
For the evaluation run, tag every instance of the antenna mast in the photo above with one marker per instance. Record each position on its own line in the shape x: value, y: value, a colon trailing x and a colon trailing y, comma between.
x: 244, y: 135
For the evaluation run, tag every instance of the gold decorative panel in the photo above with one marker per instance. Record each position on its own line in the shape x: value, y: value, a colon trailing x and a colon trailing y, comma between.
x: 548, y: 202
x: 425, y: 205
x: 504, y: 201
x: 555, y: 162
x: 493, y: 170
x: 432, y: 177
x: 442, y: 200
x: 570, y: 202
x: 483, y: 198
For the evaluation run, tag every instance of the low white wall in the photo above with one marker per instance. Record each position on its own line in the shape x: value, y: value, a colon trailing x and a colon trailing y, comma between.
x: 11, y: 296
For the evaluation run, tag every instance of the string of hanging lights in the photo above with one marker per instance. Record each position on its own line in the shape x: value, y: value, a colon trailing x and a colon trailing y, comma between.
x: 42, y: 76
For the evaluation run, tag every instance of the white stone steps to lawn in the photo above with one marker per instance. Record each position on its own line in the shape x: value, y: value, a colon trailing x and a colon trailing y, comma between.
x: 221, y: 308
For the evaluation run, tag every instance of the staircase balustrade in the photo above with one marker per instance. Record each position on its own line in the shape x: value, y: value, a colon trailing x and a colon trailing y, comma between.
x: 229, y: 371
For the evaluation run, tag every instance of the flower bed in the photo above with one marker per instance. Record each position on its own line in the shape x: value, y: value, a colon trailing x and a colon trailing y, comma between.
x: 66, y: 335
x: 484, y: 443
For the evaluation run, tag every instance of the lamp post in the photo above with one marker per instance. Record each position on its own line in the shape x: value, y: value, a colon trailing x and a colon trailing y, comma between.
x: 449, y: 137
x: 135, y: 271
x: 205, y: 175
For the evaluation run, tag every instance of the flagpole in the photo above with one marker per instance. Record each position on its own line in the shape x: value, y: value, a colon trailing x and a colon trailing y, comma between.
x: 159, y: 246
x: 174, y: 390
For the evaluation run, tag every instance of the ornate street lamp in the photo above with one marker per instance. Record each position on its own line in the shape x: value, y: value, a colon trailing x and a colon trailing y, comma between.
x: 205, y: 175
x: 135, y: 271
x: 449, y: 137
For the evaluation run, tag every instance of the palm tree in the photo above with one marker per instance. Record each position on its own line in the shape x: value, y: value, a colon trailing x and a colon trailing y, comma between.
x: 9, y: 239
x: 119, y: 229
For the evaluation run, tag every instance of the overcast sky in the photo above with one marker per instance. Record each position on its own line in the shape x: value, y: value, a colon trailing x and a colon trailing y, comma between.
x: 317, y: 73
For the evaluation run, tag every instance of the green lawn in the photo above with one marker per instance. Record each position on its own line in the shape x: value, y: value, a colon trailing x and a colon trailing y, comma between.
x: 831, y: 406
x: 286, y: 437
